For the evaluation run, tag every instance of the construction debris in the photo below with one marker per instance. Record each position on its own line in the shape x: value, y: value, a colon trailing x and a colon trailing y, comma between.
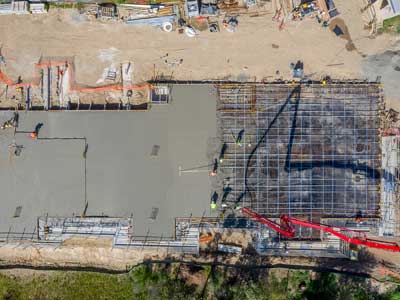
x: 190, y: 32
x: 38, y: 7
x: 213, y: 27
x: 229, y: 249
x: 209, y: 9
x: 192, y: 8
x: 321, y: 10
x: 107, y: 11
x: 159, y: 22
x: 230, y: 23
x: 11, y: 123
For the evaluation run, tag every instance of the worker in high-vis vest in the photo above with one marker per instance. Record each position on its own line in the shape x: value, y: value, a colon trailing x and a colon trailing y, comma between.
x: 222, y: 153
x: 213, y: 202
x: 213, y: 205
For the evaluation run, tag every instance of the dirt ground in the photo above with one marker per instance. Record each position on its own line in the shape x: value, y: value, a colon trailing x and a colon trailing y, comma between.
x: 245, y: 54
x: 18, y: 257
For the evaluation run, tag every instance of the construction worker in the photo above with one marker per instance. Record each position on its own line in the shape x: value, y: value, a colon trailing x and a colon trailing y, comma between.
x: 13, y: 122
x: 237, y: 205
x: 213, y: 205
x: 222, y: 153
x: 214, y: 199
x: 215, y: 168
x: 225, y: 194
x: 35, y: 134
x: 239, y: 138
x: 359, y: 218
x: 6, y: 124
x: 326, y: 80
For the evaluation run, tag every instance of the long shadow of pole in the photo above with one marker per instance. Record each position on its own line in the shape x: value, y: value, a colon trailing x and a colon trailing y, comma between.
x: 295, y: 91
x: 302, y: 166
x: 292, y: 131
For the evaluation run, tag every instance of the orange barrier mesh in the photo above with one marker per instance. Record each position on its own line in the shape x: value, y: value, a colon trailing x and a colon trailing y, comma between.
x: 106, y: 88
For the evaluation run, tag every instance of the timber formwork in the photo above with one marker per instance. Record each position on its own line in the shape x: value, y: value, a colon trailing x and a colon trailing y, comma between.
x: 309, y: 150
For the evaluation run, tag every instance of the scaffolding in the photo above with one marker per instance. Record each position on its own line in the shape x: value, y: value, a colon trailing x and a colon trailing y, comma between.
x: 120, y: 230
x: 267, y: 243
x: 389, y: 225
x: 307, y: 150
x: 57, y: 229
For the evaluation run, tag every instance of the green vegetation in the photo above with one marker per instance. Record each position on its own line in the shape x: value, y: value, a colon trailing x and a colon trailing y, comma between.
x: 68, y: 286
x: 77, y: 5
x: 160, y: 284
x: 166, y: 283
x: 118, y: 1
x: 176, y: 282
x: 392, y: 24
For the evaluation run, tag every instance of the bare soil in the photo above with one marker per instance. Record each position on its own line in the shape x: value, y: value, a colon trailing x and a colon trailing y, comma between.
x: 257, y: 50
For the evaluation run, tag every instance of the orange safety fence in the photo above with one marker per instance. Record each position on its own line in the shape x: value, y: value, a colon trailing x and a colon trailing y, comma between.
x: 206, y: 238
x: 105, y: 88
x: 109, y: 88
x: 5, y: 79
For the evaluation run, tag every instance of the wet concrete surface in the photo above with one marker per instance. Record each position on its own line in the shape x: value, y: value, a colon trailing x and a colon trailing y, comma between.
x: 122, y: 177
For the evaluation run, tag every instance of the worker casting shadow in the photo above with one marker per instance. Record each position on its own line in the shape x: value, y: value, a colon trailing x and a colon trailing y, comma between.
x: 38, y: 127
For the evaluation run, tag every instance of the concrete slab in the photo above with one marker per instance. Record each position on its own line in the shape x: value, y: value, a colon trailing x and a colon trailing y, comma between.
x: 122, y: 177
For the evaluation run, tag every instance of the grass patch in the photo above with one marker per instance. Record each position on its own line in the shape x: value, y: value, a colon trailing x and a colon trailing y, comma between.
x: 9, y: 288
x: 119, y: 1
x: 77, y: 5
x: 392, y: 24
x: 172, y: 282
x: 67, y: 286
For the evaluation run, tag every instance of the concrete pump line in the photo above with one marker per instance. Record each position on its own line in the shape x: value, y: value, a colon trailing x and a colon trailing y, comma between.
x: 289, y: 231
x: 246, y: 188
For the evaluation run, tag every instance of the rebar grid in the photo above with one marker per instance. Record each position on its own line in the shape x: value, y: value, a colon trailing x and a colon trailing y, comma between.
x: 321, y: 156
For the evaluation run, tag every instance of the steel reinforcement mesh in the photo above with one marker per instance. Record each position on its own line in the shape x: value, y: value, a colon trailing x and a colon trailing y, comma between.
x: 304, y: 150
